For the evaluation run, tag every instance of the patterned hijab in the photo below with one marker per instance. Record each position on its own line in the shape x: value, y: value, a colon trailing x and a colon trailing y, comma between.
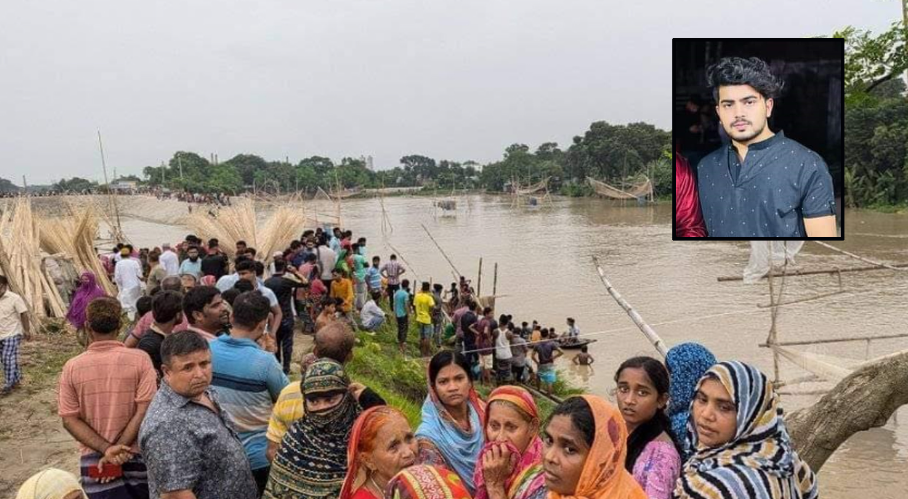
x: 758, y: 462
x: 426, y: 482
x: 529, y: 463
x: 604, y: 475
x: 85, y: 293
x: 459, y: 448
x: 312, y: 460
x: 686, y: 363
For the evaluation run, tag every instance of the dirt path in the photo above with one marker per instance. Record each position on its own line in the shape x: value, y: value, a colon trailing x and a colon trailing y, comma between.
x: 31, y: 434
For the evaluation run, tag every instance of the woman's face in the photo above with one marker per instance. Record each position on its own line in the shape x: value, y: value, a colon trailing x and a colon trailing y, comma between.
x: 323, y: 403
x: 564, y: 456
x: 638, y: 399
x: 188, y: 282
x: 715, y: 414
x: 84, y: 279
x: 452, y: 386
x: 393, y: 450
x: 507, y: 424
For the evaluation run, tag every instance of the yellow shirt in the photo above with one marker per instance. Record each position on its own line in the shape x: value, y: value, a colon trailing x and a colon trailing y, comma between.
x: 288, y: 408
x: 423, y: 303
x: 343, y: 289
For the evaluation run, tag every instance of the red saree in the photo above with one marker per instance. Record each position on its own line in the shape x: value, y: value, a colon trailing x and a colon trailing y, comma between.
x: 688, y: 219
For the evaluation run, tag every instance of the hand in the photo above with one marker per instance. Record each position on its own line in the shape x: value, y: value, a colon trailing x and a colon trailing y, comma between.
x: 115, y: 454
x: 356, y: 389
x: 497, y: 464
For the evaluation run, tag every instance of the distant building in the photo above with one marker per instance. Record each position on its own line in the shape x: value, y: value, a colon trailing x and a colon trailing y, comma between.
x: 367, y: 160
x: 124, y: 185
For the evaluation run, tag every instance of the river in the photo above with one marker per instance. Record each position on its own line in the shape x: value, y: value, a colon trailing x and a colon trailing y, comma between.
x: 545, y: 273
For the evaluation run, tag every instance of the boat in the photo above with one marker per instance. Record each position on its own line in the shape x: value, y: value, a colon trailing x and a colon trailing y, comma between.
x: 565, y: 343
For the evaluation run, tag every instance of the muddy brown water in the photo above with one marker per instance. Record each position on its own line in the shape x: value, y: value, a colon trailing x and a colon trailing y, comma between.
x: 545, y: 273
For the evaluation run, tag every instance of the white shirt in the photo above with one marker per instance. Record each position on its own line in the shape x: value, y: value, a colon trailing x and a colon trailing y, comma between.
x: 11, y: 308
x: 128, y: 274
x: 170, y: 262
x: 502, y: 345
x: 327, y: 258
x: 370, y: 311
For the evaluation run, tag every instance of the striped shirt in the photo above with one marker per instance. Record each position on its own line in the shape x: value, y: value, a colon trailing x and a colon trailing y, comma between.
x: 288, y: 408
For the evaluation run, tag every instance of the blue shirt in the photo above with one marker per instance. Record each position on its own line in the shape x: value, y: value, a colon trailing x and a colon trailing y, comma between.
x: 769, y: 194
x: 373, y: 276
x: 401, y: 302
x: 247, y: 380
x: 188, y: 267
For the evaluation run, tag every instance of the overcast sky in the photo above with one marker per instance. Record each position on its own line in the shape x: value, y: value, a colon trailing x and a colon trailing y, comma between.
x: 451, y: 80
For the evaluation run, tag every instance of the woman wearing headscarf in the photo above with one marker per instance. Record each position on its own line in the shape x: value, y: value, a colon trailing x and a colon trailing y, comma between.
x: 87, y: 291
x: 510, y: 466
x: 51, y: 483
x: 207, y: 280
x: 742, y: 446
x: 381, y: 445
x: 688, y: 219
x: 424, y: 481
x: 686, y: 363
x: 585, y: 448
x: 450, y: 434
x: 312, y: 459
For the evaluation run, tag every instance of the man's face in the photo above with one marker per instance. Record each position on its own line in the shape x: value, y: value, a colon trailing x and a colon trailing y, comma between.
x: 247, y: 275
x: 743, y: 112
x: 193, y: 254
x: 189, y: 375
x: 215, y: 314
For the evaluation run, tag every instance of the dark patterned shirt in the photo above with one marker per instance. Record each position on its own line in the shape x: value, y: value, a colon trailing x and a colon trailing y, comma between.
x: 186, y: 445
x: 769, y: 194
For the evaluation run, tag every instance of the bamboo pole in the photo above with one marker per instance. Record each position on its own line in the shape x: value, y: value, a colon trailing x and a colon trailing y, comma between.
x: 647, y: 331
x: 801, y: 300
x: 442, y: 251
x: 495, y: 280
x: 852, y: 255
x: 798, y: 273
x: 479, y: 279
x: 837, y: 340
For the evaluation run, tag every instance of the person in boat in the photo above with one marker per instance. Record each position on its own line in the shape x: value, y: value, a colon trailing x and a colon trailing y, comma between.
x: 688, y: 219
x: 450, y: 434
x: 742, y: 448
x: 584, y: 451
x: 572, y: 335
x: 510, y: 466
x: 652, y: 454
x: 426, y: 481
x: 381, y: 445
x: 686, y: 364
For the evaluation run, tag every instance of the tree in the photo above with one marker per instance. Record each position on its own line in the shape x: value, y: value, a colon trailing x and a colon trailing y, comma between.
x: 7, y: 186
x: 75, y: 184
x: 871, y: 60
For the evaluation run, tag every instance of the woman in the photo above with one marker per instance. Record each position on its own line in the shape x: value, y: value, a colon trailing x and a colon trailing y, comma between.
x: 510, y: 465
x: 87, y: 291
x: 450, y: 434
x: 312, y: 459
x: 51, y: 484
x: 686, y: 363
x: 426, y: 482
x: 642, y: 395
x: 208, y: 280
x: 688, y: 219
x: 188, y: 281
x: 741, y: 442
x: 585, y: 447
x: 381, y: 445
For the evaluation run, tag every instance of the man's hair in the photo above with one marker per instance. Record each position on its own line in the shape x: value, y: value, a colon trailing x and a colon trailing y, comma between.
x: 4, y: 281
x: 243, y: 286
x: 245, y: 266
x: 250, y: 308
x: 213, y: 243
x: 230, y: 295
x: 241, y: 242
x: 279, y: 266
x: 259, y: 268
x: 154, y: 256
x: 251, y: 250
x: 739, y: 71
x: 171, y: 283
x: 335, y: 341
x: 143, y: 305
x: 182, y: 343
x: 405, y: 284
x: 166, y: 305
x: 196, y: 299
x: 425, y: 285
x: 103, y: 315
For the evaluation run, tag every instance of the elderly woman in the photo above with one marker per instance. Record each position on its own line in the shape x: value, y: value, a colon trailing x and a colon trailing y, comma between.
x: 381, y: 445
x: 312, y: 459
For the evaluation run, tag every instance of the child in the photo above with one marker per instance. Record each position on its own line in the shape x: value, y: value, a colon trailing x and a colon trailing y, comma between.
x: 583, y: 358
x: 342, y: 287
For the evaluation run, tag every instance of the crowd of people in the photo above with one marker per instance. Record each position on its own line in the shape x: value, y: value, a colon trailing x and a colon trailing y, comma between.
x: 196, y: 400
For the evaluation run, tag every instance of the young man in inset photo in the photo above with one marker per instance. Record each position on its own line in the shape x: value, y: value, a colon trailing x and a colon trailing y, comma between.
x: 763, y: 184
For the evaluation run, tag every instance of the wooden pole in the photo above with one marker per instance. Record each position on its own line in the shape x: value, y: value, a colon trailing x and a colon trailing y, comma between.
x: 110, y: 198
x: 836, y: 340
x: 495, y: 280
x: 797, y: 273
x: 852, y: 255
x: 442, y: 251
x: 479, y: 280
x: 647, y: 331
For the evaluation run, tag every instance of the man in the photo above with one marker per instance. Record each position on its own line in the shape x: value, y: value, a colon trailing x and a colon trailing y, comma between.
x: 373, y: 275
x: 167, y: 309
x: 248, y: 379
x: 438, y: 312
x: 240, y: 247
x: 215, y: 262
x: 372, y: 316
x: 544, y: 354
x: 13, y: 327
x: 468, y: 326
x: 103, y: 395
x: 392, y: 272
x: 169, y: 260
x: 284, y: 289
x: 688, y: 218
x: 327, y: 258
x: 484, y: 329
x: 191, y: 448
x: 401, y: 301
x: 342, y: 288
x: 423, y: 303
x: 361, y: 247
x: 205, y: 310
x: 360, y: 264
x: 246, y: 270
x: 128, y: 278
x: 192, y: 264
x: 170, y: 283
x: 763, y: 184
x: 328, y: 313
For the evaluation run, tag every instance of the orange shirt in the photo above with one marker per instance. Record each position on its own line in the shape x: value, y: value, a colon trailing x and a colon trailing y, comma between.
x: 343, y: 288
x: 103, y: 385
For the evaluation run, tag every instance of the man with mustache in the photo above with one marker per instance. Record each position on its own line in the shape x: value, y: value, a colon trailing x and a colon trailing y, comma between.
x: 763, y: 184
